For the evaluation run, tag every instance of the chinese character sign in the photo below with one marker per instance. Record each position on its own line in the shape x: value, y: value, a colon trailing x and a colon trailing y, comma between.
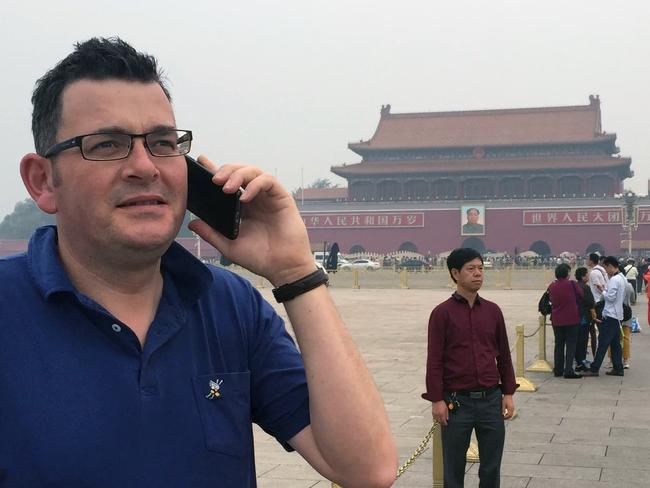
x: 643, y: 216
x: 363, y: 220
x: 575, y: 216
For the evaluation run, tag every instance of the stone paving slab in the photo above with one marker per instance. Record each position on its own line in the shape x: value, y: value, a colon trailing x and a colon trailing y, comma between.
x: 586, y: 433
x: 564, y: 449
x: 589, y: 461
x: 638, y: 454
x: 557, y: 472
x: 555, y: 483
x: 622, y: 476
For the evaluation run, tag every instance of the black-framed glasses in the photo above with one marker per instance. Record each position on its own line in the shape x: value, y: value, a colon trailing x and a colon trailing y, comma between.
x: 111, y: 146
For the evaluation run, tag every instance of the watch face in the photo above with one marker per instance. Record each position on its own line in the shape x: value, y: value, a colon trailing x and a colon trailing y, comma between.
x: 479, y: 152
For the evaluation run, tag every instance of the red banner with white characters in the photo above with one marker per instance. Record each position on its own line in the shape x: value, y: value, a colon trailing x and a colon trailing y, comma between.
x: 363, y: 220
x: 574, y: 216
x: 582, y: 216
x: 643, y: 215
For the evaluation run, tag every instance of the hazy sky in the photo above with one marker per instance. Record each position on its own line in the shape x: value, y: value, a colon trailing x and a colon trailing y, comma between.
x: 287, y: 84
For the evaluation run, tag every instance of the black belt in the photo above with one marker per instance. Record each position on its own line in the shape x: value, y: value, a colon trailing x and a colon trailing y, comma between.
x: 482, y: 393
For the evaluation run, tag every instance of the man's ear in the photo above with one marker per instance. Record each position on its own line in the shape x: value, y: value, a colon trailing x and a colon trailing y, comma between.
x: 36, y: 172
x: 454, y: 274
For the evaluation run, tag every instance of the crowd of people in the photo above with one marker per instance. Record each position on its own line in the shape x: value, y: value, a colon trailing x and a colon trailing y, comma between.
x: 595, y: 309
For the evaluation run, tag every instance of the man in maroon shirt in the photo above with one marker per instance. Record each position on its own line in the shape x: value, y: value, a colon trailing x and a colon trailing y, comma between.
x: 470, y: 379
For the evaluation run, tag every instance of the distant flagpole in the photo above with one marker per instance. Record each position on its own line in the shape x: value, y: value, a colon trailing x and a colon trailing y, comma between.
x: 302, y: 186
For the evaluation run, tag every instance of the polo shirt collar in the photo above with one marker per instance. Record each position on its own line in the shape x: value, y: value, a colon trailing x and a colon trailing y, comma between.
x: 190, y: 276
x: 460, y: 298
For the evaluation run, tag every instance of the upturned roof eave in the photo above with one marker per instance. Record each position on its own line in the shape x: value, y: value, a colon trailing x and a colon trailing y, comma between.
x: 370, y: 168
x: 363, y: 148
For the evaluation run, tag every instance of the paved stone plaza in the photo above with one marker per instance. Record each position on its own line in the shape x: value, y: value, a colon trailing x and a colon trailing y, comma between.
x: 590, y: 432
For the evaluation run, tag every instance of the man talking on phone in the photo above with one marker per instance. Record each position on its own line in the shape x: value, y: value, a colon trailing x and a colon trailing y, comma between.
x: 124, y: 361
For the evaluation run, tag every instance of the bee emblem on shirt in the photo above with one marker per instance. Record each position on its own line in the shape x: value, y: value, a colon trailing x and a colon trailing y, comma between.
x: 215, y: 390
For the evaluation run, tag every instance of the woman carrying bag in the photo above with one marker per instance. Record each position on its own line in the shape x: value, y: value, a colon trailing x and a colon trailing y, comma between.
x: 565, y: 297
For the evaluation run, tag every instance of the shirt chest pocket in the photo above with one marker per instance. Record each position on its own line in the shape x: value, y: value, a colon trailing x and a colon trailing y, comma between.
x: 223, y: 401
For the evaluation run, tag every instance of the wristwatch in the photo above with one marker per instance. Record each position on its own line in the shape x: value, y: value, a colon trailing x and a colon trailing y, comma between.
x: 290, y: 291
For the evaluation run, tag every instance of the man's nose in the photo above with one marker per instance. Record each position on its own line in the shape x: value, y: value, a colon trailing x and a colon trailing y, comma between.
x: 140, y: 162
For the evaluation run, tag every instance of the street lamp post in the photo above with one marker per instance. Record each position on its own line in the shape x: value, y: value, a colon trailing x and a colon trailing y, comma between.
x: 630, y: 223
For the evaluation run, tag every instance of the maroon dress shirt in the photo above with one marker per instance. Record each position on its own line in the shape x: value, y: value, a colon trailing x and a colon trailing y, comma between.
x: 468, y: 348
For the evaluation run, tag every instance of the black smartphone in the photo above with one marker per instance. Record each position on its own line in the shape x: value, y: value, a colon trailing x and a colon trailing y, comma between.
x: 219, y: 210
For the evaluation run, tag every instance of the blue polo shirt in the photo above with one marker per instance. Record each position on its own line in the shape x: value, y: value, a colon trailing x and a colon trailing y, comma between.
x: 83, y: 405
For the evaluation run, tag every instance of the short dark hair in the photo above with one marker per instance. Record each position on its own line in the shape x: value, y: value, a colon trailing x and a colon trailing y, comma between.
x: 581, y: 273
x: 95, y: 59
x: 562, y: 270
x: 611, y: 260
x: 458, y: 257
x: 594, y: 258
x: 478, y: 212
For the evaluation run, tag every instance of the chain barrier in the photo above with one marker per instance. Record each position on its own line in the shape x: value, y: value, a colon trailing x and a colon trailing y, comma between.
x: 534, y: 333
x: 526, y: 337
x: 418, y: 452
x: 424, y: 445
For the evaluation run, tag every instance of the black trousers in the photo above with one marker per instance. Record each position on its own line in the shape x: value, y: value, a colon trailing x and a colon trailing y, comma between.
x: 566, y: 338
x: 585, y: 330
x: 483, y: 415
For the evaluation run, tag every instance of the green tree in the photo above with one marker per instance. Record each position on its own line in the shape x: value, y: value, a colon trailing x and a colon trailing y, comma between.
x: 23, y: 220
x: 322, y: 183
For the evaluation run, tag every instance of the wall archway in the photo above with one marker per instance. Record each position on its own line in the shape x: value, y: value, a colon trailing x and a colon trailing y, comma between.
x: 474, y: 243
x: 408, y: 246
x: 356, y: 249
x: 595, y: 247
x: 541, y: 247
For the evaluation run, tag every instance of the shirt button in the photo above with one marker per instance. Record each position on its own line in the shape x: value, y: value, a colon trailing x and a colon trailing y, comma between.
x: 116, y: 328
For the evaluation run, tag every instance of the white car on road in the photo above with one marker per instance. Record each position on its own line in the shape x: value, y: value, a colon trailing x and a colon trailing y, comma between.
x: 361, y: 264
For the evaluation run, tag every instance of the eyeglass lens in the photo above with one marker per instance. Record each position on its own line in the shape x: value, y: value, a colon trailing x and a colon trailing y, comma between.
x: 109, y: 146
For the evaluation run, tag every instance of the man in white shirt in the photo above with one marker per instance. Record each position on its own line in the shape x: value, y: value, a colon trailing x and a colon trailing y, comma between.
x: 597, y: 277
x: 610, y: 327
x: 631, y: 273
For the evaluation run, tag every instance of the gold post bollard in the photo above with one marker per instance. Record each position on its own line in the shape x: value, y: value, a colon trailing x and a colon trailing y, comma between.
x: 548, y: 276
x: 541, y: 365
x: 499, y: 284
x: 450, y: 283
x: 507, y: 281
x: 436, y: 455
x: 403, y: 279
x: 355, y: 279
x: 524, y: 384
x: 472, y: 455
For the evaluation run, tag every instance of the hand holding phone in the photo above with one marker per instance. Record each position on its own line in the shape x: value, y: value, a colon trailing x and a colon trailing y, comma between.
x: 219, y: 210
